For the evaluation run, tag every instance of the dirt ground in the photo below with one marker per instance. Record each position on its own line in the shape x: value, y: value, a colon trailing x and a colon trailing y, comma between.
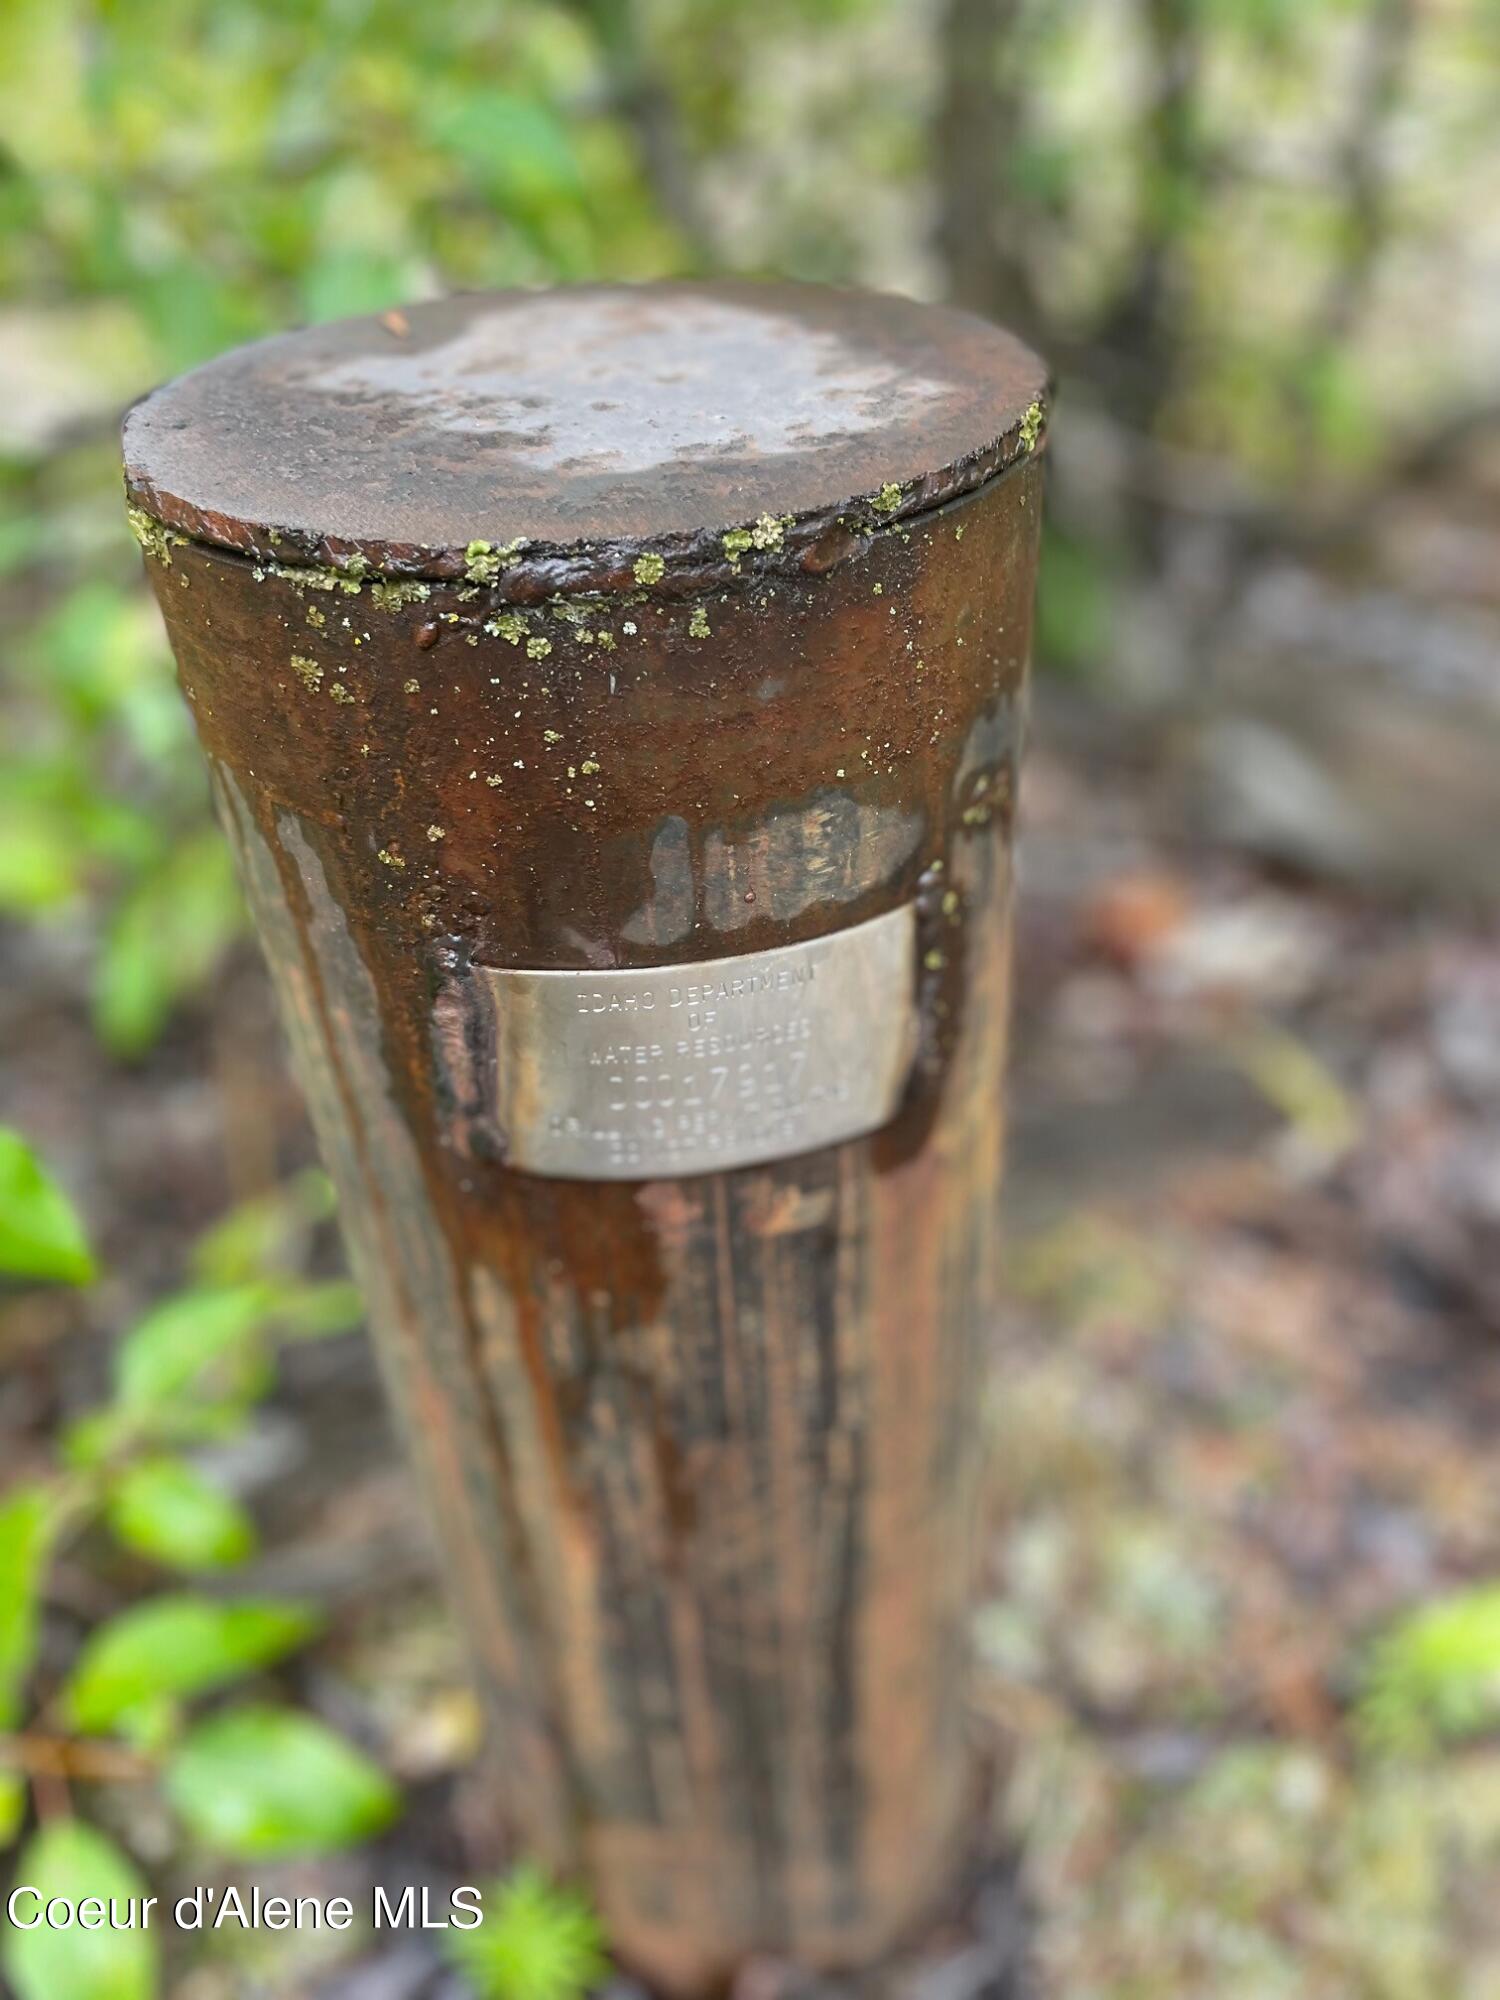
x: 1244, y: 1393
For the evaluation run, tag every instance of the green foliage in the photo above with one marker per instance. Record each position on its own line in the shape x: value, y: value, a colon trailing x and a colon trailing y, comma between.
x: 252, y: 1780
x: 25, y: 1518
x: 26, y: 1522
x: 105, y: 801
x: 199, y: 1344
x: 71, y: 1859
x: 256, y: 1782
x: 537, y: 1942
x: 40, y: 1234
x: 174, y: 1647
x: 163, y: 940
x: 1073, y: 610
x: 1435, y: 1675
x: 163, y: 1509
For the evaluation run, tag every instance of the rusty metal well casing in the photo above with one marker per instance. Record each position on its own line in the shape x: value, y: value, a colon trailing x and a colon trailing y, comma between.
x: 701, y: 1448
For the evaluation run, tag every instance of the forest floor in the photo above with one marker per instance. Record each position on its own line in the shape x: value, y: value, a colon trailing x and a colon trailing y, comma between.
x: 1244, y: 1396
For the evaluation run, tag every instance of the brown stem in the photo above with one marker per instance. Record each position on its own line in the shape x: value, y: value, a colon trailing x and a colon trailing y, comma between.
x: 975, y: 116
x: 645, y: 101
x: 59, y: 1758
x: 1364, y: 178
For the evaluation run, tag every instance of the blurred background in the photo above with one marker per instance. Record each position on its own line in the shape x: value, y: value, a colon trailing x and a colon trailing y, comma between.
x: 1243, y: 1594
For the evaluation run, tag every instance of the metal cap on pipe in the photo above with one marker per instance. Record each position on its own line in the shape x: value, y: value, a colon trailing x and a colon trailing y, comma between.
x: 683, y: 434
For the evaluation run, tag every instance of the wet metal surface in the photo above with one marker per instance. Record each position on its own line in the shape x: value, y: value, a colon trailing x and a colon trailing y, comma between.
x: 572, y: 430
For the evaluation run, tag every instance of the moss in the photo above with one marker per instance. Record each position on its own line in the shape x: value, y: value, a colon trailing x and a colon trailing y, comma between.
x: 698, y: 625
x: 1031, y: 426
x: 155, y: 537
x: 391, y: 596
x: 649, y: 568
x: 507, y: 625
x: 888, y: 499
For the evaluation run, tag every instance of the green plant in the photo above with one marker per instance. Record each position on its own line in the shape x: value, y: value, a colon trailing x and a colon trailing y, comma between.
x: 40, y: 1234
x: 1435, y: 1675
x: 538, y: 1941
x: 106, y: 804
x: 251, y: 1779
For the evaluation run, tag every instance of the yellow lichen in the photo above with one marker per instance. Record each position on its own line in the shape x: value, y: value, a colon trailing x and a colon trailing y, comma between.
x: 154, y: 536
x: 391, y: 596
x: 483, y: 562
x: 650, y: 568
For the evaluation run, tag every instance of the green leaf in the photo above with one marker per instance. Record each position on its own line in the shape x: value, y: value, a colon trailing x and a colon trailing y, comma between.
x: 163, y: 941
x: 38, y: 861
x: 165, y: 1510
x: 515, y: 146
x: 25, y: 1536
x: 12, y: 1806
x: 351, y: 280
x: 264, y: 1232
x: 73, y: 1860
x: 314, y: 1312
x: 256, y: 1782
x: 537, y: 1942
x: 169, y: 1350
x: 177, y: 1645
x: 1435, y: 1674
x: 40, y: 1234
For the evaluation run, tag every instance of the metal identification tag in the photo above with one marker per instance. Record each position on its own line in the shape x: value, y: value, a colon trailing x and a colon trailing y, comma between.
x: 691, y: 1069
